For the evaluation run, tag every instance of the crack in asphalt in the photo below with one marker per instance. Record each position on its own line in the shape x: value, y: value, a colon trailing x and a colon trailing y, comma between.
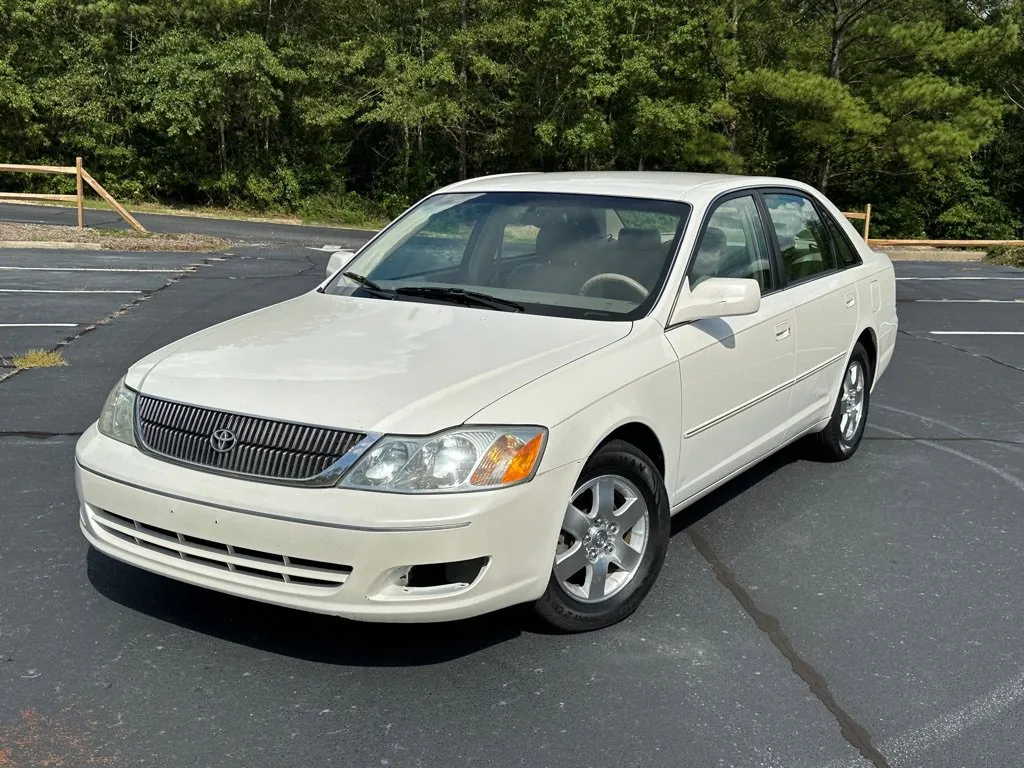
x: 947, y: 345
x: 312, y: 268
x: 1009, y: 477
x: 32, y: 434
x: 1011, y: 444
x: 856, y: 734
x: 143, y: 296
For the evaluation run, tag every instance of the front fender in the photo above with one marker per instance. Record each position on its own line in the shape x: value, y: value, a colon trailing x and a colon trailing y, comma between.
x: 635, y: 380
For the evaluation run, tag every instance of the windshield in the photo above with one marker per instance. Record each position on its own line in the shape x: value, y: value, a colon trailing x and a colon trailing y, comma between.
x: 582, y: 256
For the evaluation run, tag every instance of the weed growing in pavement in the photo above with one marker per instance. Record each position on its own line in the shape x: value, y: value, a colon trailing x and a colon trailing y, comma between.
x: 37, y: 358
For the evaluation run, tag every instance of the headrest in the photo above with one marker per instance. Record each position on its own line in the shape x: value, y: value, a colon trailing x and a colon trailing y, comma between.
x: 554, y: 237
x: 714, y: 240
x: 635, y: 238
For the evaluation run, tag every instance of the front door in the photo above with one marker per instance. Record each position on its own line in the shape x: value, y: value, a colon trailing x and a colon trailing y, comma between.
x: 735, y: 371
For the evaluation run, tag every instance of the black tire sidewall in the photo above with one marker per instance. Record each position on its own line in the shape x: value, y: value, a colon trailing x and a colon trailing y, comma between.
x: 563, y: 611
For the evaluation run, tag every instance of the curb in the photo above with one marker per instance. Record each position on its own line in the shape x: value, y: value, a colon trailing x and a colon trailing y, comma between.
x: 54, y: 245
x: 901, y: 254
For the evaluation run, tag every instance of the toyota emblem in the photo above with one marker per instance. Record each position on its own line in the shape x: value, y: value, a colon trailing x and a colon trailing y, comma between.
x: 223, y: 440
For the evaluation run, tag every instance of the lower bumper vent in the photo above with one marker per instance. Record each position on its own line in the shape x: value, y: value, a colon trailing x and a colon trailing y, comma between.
x: 224, y: 557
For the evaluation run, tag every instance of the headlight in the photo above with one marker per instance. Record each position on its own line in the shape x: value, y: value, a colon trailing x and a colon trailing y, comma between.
x: 462, y: 459
x: 117, y: 419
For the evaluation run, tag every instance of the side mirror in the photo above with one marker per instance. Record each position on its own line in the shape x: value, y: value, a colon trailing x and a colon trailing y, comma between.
x: 717, y: 297
x: 338, y: 261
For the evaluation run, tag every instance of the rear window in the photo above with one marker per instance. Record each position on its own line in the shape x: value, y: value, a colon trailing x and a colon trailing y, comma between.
x: 846, y: 254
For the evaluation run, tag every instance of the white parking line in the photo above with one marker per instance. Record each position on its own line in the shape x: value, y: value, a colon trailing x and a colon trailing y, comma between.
x: 95, y: 269
x: 49, y: 290
x: 39, y: 325
x: 968, y: 301
x: 976, y: 333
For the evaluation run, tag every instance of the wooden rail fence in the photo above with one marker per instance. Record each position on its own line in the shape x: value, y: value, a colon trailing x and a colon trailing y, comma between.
x: 883, y: 242
x: 865, y: 215
x: 82, y: 177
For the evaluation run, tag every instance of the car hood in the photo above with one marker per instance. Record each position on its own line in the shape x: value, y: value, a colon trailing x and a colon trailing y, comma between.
x: 366, y: 364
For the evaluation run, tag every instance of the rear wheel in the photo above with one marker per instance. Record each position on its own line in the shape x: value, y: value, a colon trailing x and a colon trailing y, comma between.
x: 841, y: 437
x: 612, y: 544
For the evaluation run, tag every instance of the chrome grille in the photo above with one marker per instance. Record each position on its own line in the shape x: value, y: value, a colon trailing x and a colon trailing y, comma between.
x: 211, y: 554
x: 277, y: 451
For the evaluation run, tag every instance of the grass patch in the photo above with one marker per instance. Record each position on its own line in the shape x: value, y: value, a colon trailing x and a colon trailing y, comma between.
x: 106, y: 232
x: 38, y: 358
x: 349, y: 210
x: 1008, y: 257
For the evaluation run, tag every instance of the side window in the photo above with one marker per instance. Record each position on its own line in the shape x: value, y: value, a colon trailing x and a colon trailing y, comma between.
x: 803, y: 240
x: 519, y: 240
x: 439, y: 245
x: 665, y: 223
x: 733, y: 245
x: 845, y: 253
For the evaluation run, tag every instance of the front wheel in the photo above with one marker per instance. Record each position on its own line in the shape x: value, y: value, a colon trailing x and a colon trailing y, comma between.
x: 840, y: 438
x: 612, y: 543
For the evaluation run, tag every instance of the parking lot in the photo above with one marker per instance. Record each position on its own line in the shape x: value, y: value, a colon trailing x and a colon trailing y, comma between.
x: 809, y: 615
x: 50, y: 296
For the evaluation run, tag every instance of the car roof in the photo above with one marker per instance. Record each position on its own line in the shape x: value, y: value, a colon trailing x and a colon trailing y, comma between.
x: 654, y: 185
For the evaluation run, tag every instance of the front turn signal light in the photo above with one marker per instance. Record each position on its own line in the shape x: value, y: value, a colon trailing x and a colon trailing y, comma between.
x: 509, y: 459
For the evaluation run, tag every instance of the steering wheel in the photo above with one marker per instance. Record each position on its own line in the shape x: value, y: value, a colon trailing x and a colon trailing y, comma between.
x: 613, y: 277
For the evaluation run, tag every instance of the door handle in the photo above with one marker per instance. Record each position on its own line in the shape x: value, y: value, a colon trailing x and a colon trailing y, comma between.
x: 851, y: 299
x: 782, y: 331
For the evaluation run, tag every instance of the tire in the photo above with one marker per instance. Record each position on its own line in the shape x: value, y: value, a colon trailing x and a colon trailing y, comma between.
x: 618, y: 533
x: 836, y: 442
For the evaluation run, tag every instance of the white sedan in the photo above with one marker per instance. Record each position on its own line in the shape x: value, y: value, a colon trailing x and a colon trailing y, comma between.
x: 501, y: 399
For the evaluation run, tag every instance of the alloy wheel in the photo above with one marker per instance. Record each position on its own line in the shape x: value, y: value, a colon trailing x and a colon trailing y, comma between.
x: 851, y: 403
x: 604, y: 535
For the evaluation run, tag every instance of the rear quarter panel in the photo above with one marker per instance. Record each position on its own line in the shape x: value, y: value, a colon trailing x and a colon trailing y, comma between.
x: 879, y: 311
x: 876, y: 292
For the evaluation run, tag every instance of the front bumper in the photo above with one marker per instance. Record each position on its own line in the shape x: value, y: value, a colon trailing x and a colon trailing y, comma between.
x: 328, y: 550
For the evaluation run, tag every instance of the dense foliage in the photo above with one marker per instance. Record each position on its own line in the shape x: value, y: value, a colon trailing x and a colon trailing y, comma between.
x: 358, y: 106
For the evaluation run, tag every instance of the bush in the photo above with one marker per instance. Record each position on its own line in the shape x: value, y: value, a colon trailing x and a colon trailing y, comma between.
x: 350, y: 208
x: 391, y: 206
x: 980, y: 218
x: 278, y: 191
x: 1010, y: 257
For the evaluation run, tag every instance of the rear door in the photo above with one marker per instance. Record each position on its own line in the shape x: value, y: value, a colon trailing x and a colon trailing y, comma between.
x: 824, y: 300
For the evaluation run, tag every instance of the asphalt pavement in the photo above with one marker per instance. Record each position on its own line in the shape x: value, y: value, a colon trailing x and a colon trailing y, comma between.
x: 268, y: 232
x: 809, y: 615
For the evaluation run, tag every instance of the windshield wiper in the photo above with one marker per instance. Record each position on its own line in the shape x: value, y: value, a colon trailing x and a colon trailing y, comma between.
x: 460, y: 296
x: 368, y: 284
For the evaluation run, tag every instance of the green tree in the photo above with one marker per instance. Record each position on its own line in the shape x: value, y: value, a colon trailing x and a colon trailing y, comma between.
x: 914, y: 105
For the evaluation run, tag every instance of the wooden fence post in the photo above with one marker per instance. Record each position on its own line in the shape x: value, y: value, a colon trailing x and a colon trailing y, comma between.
x: 113, y: 203
x: 80, y: 191
x: 867, y: 221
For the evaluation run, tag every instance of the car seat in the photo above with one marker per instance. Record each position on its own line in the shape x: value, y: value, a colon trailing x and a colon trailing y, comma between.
x: 555, y: 270
x: 638, y: 253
